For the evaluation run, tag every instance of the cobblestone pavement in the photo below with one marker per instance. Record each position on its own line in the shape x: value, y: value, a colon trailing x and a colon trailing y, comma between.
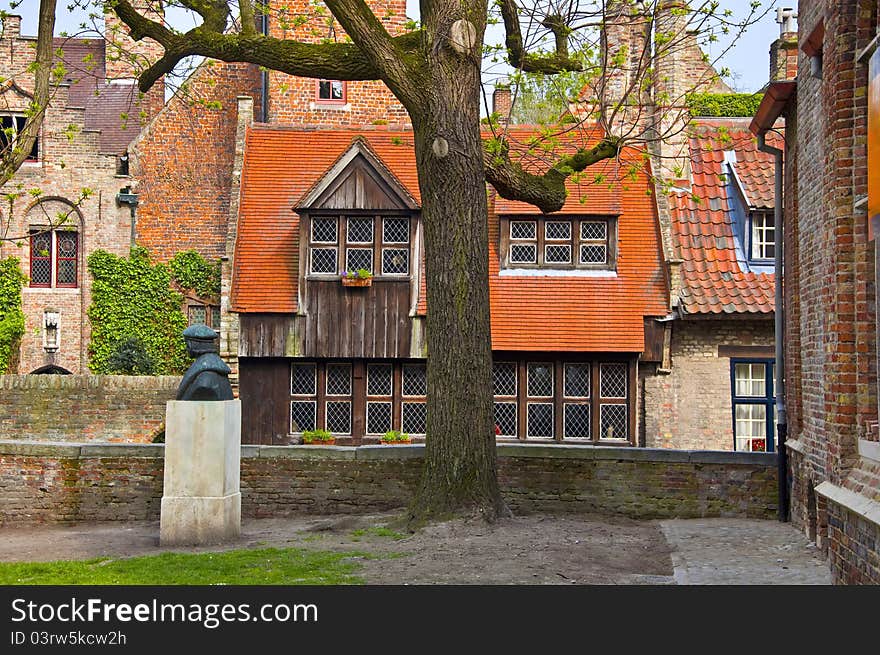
x: 742, y: 552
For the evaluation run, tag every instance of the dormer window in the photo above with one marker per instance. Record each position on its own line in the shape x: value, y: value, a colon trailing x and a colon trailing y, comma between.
x: 763, y: 236
x: 330, y: 91
x: 563, y: 243
x: 378, y: 244
x: 10, y: 127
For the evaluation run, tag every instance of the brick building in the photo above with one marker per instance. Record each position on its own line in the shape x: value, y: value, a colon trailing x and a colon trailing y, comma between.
x: 93, y: 115
x: 830, y: 285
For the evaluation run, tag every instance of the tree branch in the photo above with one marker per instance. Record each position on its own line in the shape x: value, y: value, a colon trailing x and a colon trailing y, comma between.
x: 547, y: 191
x: 517, y: 56
x: 338, y: 61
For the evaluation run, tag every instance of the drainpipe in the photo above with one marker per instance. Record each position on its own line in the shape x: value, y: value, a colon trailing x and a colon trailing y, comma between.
x: 126, y: 197
x: 264, y: 75
x: 779, y: 325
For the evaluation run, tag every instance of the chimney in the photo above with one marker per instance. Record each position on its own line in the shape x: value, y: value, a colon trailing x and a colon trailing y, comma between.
x: 784, y: 51
x: 11, y: 27
x: 126, y: 59
x: 501, y: 101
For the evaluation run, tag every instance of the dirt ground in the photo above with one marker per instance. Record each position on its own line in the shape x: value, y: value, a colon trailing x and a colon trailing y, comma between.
x: 521, y: 550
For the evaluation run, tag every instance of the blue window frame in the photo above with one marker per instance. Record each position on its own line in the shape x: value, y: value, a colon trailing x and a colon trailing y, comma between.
x: 754, y: 405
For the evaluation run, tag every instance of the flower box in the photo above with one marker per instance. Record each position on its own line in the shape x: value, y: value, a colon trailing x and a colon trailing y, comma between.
x: 357, y: 281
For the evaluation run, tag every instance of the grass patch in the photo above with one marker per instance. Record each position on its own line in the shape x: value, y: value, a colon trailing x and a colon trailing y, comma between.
x: 269, y: 566
x: 378, y: 531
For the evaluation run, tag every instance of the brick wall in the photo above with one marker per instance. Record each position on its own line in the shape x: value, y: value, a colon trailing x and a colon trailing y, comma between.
x: 183, y: 164
x: 293, y: 100
x: 83, y: 408
x: 67, y: 482
x: 690, y: 408
x: 829, y: 287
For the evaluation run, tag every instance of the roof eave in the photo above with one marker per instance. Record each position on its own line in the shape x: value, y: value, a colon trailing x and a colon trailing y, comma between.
x: 772, y: 105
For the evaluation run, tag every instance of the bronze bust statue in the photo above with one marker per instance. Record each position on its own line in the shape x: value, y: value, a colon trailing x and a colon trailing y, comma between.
x: 208, y: 377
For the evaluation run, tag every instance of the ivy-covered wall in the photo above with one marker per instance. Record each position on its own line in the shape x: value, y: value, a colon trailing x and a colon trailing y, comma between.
x: 137, y: 310
x: 11, y: 316
x: 723, y: 104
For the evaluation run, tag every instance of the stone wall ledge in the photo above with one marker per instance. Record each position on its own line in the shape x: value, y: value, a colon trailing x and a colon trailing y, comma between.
x: 408, y: 451
x: 156, y: 382
x: 796, y: 446
x: 850, y: 500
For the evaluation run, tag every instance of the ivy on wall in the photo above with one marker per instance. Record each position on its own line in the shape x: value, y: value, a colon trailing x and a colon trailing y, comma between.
x: 723, y: 104
x: 192, y: 271
x: 11, y: 316
x: 132, y: 299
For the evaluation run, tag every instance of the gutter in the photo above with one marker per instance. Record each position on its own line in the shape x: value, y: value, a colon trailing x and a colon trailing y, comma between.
x: 776, y: 97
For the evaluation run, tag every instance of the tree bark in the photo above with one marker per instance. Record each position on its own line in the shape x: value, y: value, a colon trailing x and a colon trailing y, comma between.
x: 459, y: 474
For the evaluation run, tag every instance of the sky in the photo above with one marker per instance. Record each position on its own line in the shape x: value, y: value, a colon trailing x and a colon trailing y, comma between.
x: 749, y: 59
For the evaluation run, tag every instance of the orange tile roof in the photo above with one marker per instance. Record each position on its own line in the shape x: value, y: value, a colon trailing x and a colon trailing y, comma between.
x: 529, y: 313
x: 713, y: 281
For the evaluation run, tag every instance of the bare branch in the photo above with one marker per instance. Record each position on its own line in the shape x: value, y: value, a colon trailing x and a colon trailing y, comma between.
x: 533, y: 63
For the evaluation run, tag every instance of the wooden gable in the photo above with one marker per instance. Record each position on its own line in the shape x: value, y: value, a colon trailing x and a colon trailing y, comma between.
x: 358, y: 180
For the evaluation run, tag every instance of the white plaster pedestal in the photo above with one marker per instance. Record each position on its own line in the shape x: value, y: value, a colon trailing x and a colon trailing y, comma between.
x: 201, y: 501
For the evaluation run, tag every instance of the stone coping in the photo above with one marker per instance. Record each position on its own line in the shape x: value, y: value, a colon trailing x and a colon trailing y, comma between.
x: 856, y: 503
x: 139, y: 382
x: 411, y: 451
x: 869, y: 449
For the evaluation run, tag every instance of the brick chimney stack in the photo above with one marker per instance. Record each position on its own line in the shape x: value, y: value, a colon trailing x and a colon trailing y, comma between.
x: 502, y: 102
x: 784, y: 51
x: 11, y: 26
x: 125, y: 58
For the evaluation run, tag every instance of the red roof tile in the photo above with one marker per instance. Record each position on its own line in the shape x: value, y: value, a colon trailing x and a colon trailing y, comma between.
x: 713, y: 281
x: 529, y: 313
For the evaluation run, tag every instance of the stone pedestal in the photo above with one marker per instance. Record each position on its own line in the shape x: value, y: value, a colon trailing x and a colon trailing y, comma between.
x: 201, y: 501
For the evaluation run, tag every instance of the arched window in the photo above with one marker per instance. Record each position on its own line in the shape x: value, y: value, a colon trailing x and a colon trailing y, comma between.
x: 55, y: 244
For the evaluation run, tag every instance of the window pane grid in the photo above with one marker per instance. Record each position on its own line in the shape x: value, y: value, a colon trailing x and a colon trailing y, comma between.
x: 324, y: 230
x: 594, y: 231
x: 338, y: 380
x: 302, y: 415
x: 523, y: 230
x: 540, y: 380
x: 415, y: 380
x: 303, y: 380
x: 613, y: 421
x: 504, y: 379
x: 557, y: 231
x: 66, y: 256
x: 378, y: 379
x: 577, y: 380
x: 577, y: 421
x: 359, y: 230
x: 395, y: 230
x: 594, y: 254
x: 378, y: 417
x: 323, y: 260
x: 359, y: 258
x: 557, y: 254
x: 523, y: 253
x: 339, y: 416
x: 539, y: 421
x: 413, y: 418
x: 395, y: 261
x: 41, y: 259
x: 505, y: 419
x: 612, y: 380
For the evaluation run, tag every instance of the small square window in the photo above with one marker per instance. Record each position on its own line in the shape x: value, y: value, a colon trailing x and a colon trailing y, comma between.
x: 331, y: 91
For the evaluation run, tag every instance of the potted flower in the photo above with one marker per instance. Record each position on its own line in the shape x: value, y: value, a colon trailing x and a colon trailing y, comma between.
x: 318, y: 438
x: 395, y: 437
x: 359, y: 278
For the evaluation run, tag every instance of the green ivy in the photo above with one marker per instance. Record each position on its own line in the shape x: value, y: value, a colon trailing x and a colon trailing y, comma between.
x: 723, y: 104
x: 192, y: 271
x: 132, y: 298
x: 11, y: 316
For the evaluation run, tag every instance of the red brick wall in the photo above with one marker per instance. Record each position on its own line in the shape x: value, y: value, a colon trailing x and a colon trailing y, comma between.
x: 183, y: 163
x: 829, y: 284
x: 49, y: 483
x: 84, y: 408
x: 292, y: 100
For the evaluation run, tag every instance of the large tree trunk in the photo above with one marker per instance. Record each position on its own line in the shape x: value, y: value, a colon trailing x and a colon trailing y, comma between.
x: 460, y: 465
